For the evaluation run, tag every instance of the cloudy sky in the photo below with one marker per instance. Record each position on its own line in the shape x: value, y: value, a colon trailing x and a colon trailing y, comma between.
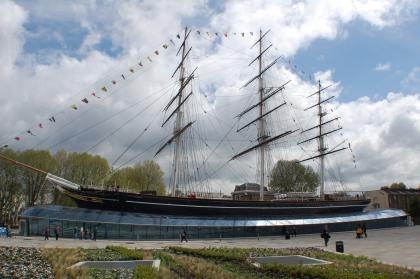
x: 55, y: 53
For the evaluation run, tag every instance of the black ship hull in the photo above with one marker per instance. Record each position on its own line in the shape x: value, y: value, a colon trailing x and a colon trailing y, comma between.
x: 164, y: 205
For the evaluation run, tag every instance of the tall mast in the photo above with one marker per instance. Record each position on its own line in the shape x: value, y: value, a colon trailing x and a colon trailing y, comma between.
x: 261, y: 132
x: 264, y: 95
x: 179, y: 127
x: 321, y: 148
x: 320, y: 136
x: 178, y: 124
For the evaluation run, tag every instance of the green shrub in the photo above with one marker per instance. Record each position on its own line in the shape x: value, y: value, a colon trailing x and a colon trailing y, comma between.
x: 145, y: 272
x: 126, y: 254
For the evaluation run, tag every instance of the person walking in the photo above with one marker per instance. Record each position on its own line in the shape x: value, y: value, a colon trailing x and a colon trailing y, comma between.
x: 56, y: 232
x: 184, y: 236
x: 74, y: 232
x: 326, y: 236
x: 95, y: 231
x: 46, y: 233
x: 294, y: 233
x: 364, y: 229
x: 81, y: 233
x: 359, y: 231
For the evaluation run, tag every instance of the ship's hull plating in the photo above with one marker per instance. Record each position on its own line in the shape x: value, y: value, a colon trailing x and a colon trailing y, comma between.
x: 163, y: 205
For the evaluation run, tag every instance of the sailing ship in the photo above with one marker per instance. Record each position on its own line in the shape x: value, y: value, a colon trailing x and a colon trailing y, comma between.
x: 175, y: 204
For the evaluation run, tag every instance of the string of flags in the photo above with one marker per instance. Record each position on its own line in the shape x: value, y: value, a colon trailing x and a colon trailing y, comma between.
x: 105, y: 88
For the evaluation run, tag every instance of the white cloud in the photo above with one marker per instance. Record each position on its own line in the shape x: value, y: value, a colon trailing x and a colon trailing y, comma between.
x: 412, y: 82
x: 33, y: 90
x: 383, y: 67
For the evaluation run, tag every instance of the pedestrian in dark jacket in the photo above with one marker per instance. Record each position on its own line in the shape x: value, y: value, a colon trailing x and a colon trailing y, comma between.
x: 184, y: 236
x: 326, y: 236
x: 56, y: 232
x: 46, y: 233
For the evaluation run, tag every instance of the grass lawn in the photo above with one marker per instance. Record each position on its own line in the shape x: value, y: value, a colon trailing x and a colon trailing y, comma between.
x: 220, y: 263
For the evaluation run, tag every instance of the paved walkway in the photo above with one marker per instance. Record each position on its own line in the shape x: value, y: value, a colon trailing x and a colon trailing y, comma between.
x: 399, y: 246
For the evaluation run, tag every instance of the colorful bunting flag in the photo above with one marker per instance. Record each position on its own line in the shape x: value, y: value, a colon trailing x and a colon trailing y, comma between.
x: 122, y: 75
x: 179, y: 37
x: 85, y: 100
x: 5, y: 146
x: 198, y: 32
x: 140, y: 64
x: 252, y: 33
x: 148, y: 58
x: 132, y: 70
x: 114, y: 82
x: 17, y: 138
x: 104, y: 89
x: 94, y: 95
x: 208, y: 34
x: 52, y: 119
x: 217, y: 34
x: 165, y: 46
x: 172, y: 42
x: 156, y: 52
x: 29, y: 132
x: 225, y: 34
x: 243, y: 34
x: 74, y: 107
x: 40, y: 125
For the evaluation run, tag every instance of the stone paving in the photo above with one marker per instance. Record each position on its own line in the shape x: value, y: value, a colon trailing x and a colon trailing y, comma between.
x: 398, y: 246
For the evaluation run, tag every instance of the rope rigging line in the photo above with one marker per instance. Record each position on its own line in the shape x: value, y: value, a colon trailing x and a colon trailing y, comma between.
x: 96, y: 124
x: 134, y: 141
x: 126, y: 123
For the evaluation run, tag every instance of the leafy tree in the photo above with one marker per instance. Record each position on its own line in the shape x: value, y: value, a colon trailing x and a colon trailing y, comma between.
x: 11, y: 192
x: 34, y: 183
x: 414, y: 207
x: 399, y: 185
x: 395, y: 185
x: 141, y: 177
x: 81, y: 168
x: 292, y: 176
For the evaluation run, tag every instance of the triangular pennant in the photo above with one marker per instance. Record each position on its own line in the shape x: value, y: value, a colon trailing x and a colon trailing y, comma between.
x: 5, y: 146
x: 122, y: 75
x: 94, y: 95
x: 17, y: 138
x: 225, y: 34
x: 29, y: 132
x: 40, y: 125
x: 198, y: 32
x: 172, y: 42
x: 156, y: 52
x: 85, y: 100
x: 179, y: 37
x: 234, y: 33
x: 52, y: 119
x: 150, y: 59
x: 104, y: 89
x: 243, y: 34
x: 74, y: 107
x: 114, y: 82
x: 165, y: 46
x: 208, y: 34
x: 252, y: 33
x: 217, y: 34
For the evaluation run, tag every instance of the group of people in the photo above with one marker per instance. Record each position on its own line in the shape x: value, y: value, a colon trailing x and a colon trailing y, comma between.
x: 360, y: 231
x: 84, y: 233
x: 289, y: 233
x: 47, y: 232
